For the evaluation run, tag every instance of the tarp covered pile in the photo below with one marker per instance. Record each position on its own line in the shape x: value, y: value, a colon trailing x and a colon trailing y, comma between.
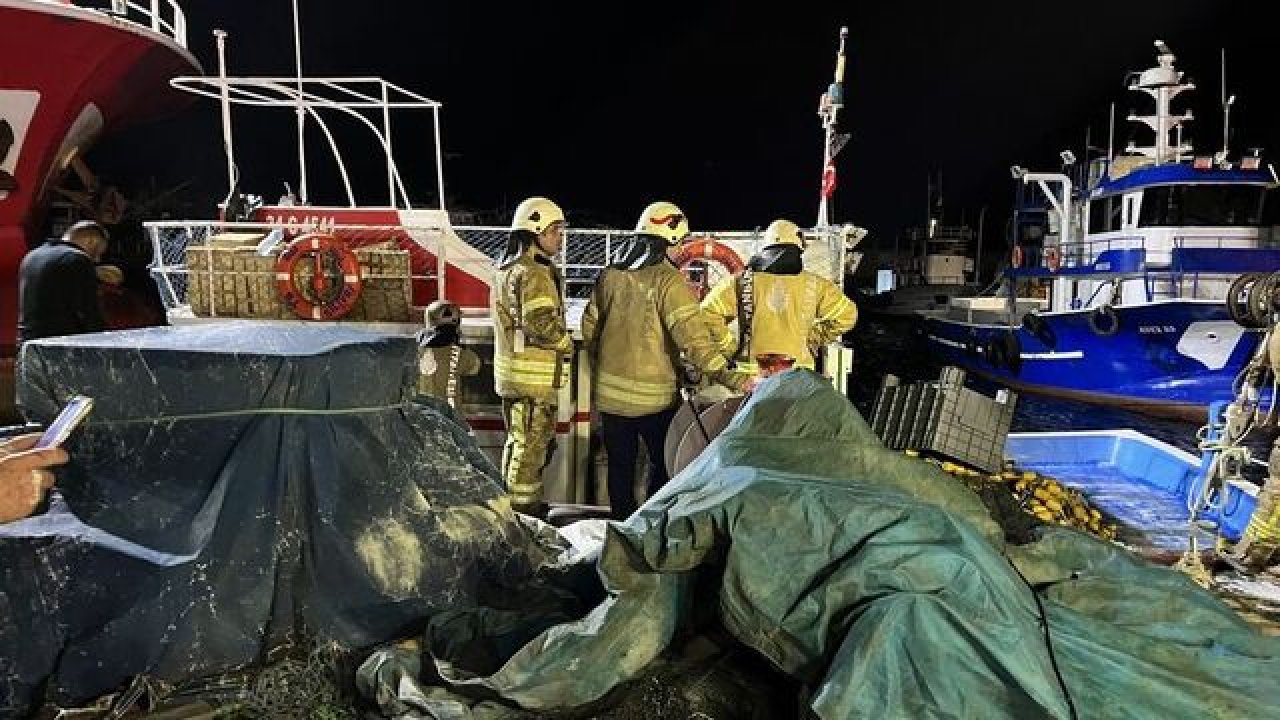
x: 238, y: 488
x: 281, y: 486
x: 874, y: 579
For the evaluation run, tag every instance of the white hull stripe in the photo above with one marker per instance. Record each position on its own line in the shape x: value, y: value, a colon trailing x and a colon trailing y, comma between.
x: 1072, y: 355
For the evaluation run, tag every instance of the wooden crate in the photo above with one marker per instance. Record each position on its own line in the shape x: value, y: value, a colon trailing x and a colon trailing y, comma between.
x: 215, y: 286
x: 226, y: 280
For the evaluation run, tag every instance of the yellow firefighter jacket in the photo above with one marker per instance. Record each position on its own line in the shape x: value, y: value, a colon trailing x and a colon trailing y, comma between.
x: 531, y: 345
x: 636, y: 325
x: 793, y: 315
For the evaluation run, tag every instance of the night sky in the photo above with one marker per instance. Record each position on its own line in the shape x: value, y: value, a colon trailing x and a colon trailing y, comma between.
x: 608, y: 106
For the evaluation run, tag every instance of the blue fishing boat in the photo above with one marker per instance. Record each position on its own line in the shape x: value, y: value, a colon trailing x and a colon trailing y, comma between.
x: 1126, y: 283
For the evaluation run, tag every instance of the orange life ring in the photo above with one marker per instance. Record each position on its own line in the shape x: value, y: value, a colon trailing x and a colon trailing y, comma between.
x: 1017, y: 256
x: 705, y: 249
x: 328, y: 300
x: 1052, y: 259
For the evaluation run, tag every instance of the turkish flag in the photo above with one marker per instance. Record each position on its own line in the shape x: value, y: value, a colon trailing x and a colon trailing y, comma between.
x: 828, y: 181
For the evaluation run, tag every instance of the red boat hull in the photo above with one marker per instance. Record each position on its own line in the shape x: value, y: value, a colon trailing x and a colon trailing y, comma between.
x: 67, y: 77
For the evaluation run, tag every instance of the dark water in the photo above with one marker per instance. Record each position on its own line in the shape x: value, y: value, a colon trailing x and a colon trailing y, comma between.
x: 897, y: 345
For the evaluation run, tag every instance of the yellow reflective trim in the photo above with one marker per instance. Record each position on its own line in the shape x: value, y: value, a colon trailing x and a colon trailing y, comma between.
x: 538, y: 303
x: 681, y: 314
x: 525, y: 364
x: 647, y: 386
x: 717, y: 363
x: 606, y: 399
x: 616, y: 393
x: 540, y: 381
x: 534, y: 377
x: 841, y: 308
x: 613, y: 386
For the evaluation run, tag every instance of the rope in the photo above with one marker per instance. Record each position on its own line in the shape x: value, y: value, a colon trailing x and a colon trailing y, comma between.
x: 247, y: 412
x: 1048, y: 641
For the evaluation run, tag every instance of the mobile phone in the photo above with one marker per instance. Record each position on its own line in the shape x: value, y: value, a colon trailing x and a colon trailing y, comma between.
x: 76, y: 410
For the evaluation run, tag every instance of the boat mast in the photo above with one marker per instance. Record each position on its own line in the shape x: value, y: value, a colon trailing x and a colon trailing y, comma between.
x: 1227, y: 102
x: 1163, y: 83
x: 829, y: 109
x: 302, y: 117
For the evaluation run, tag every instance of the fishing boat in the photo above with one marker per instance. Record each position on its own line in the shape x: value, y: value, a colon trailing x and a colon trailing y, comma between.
x: 383, y: 253
x: 73, y: 72
x: 1125, y: 285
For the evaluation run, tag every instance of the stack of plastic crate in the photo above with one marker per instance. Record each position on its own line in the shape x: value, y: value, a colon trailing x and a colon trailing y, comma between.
x: 944, y: 418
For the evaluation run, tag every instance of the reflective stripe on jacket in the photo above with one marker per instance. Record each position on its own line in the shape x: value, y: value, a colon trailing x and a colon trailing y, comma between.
x: 637, y: 325
x: 526, y: 300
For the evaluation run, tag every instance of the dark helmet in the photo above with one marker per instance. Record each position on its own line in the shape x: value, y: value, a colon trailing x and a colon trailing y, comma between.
x: 443, y: 312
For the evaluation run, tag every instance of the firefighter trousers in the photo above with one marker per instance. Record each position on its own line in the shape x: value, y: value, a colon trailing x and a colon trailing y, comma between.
x: 621, y: 443
x: 531, y: 430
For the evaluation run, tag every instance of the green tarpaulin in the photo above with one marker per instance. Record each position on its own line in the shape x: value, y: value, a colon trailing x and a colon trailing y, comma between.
x: 876, y: 581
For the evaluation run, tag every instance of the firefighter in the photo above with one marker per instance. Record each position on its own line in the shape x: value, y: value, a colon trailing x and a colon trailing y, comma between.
x: 781, y: 309
x: 442, y: 360
x: 642, y: 327
x: 531, y: 347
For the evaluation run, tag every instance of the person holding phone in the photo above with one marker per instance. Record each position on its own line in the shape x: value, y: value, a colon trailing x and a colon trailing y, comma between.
x: 25, y: 476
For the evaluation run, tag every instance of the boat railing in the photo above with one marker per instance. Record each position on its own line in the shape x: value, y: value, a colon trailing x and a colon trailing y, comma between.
x: 172, y: 244
x: 1083, y: 253
x: 586, y: 251
x: 1220, y: 242
x: 164, y: 17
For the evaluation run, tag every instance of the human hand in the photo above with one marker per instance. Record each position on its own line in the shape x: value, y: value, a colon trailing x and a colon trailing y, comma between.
x: 24, y: 475
x: 737, y: 380
x: 109, y: 274
x: 690, y: 375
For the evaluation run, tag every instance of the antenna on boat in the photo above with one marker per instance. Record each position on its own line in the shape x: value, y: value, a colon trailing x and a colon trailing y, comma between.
x: 829, y: 109
x: 1227, y: 102
x: 1111, y: 137
x: 302, y: 117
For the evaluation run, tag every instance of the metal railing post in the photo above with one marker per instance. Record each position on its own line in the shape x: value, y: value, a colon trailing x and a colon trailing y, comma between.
x: 179, y: 24
x: 442, y: 268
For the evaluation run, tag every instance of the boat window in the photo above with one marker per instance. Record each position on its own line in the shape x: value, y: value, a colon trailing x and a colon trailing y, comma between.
x: 1105, y: 214
x: 1202, y: 205
x: 1270, y: 210
x: 1098, y: 216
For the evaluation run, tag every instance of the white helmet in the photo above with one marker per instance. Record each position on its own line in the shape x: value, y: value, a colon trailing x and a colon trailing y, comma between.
x: 783, y: 232
x: 536, y: 214
x: 664, y: 220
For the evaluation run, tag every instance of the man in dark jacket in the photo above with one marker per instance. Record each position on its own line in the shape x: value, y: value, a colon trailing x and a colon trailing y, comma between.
x: 58, y: 285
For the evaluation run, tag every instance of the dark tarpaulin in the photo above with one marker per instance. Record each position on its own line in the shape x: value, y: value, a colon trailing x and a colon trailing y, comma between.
x: 236, y: 487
